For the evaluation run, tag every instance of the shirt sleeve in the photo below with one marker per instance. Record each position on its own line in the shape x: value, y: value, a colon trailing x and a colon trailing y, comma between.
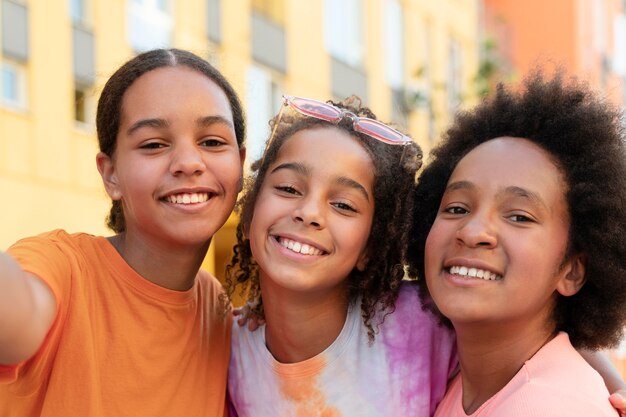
x: 45, y: 257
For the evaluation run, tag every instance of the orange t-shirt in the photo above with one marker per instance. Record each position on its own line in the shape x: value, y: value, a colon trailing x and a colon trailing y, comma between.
x: 120, y: 345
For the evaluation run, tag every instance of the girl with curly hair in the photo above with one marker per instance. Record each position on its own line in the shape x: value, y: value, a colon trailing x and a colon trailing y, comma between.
x: 321, y: 244
x: 520, y: 240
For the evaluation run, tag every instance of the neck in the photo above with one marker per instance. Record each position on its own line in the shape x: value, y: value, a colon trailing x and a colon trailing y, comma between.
x: 490, y: 356
x: 167, y: 266
x: 300, y: 326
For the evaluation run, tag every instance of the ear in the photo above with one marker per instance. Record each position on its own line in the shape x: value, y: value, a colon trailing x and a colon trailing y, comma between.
x: 573, y: 276
x: 106, y: 168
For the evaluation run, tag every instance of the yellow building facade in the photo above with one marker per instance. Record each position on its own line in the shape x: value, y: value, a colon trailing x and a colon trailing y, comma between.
x: 412, y: 61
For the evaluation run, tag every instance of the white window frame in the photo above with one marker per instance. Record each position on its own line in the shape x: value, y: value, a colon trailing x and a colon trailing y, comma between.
x: 263, y: 94
x: 619, y: 42
x: 149, y: 25
x: 80, y: 16
x: 89, y: 103
x: 454, y: 75
x: 344, y: 34
x: 19, y: 101
x: 393, y: 29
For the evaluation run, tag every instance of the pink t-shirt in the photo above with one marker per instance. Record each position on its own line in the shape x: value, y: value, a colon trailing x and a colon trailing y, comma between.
x: 403, y: 373
x: 556, y: 381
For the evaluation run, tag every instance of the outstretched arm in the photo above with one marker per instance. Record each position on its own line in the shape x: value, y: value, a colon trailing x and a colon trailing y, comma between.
x: 27, y: 308
x: 612, y: 379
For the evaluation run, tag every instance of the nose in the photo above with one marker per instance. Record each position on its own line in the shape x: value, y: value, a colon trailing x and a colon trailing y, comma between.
x: 310, y: 212
x: 187, y: 160
x: 478, y: 230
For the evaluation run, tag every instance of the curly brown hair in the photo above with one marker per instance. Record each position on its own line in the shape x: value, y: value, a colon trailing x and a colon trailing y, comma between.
x: 585, y: 137
x: 110, y: 103
x: 395, y: 170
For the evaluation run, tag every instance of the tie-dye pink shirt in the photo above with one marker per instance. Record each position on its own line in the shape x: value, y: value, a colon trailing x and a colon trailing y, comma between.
x: 403, y: 373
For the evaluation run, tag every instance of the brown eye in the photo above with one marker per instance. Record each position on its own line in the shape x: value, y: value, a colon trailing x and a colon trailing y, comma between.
x: 344, y: 207
x: 286, y: 189
x: 455, y: 210
x: 152, y: 145
x: 519, y: 218
x: 211, y: 142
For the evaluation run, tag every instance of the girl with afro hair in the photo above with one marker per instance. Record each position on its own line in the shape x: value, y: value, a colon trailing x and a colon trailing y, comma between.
x: 521, y: 242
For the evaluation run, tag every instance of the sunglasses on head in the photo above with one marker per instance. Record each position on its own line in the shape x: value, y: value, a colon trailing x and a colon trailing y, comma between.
x: 330, y: 113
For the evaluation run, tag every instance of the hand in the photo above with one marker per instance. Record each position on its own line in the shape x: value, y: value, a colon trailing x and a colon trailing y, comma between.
x: 618, y: 401
x: 245, y: 314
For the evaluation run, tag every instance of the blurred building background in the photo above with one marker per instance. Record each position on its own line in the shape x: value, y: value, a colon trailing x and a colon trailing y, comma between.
x: 414, y: 62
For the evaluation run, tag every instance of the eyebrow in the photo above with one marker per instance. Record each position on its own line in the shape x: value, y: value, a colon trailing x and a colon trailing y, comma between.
x: 304, y: 170
x: 159, y: 123
x: 514, y: 190
x: 154, y: 122
x: 459, y: 185
x: 349, y: 182
x: 527, y: 194
x: 293, y: 166
x: 212, y: 120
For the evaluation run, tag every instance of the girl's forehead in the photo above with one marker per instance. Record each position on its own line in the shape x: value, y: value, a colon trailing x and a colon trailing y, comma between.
x: 507, y: 162
x: 179, y: 90
x: 323, y: 142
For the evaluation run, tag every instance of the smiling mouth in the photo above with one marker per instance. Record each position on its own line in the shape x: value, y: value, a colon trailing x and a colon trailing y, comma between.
x: 298, y: 247
x: 474, y: 273
x: 188, y: 198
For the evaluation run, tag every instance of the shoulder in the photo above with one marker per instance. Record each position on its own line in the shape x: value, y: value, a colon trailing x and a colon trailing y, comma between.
x: 58, y: 238
x: 54, y: 256
x: 209, y: 289
x: 209, y: 282
x: 543, y: 400
x: 558, y: 360
x: 410, y: 309
x: 557, y: 381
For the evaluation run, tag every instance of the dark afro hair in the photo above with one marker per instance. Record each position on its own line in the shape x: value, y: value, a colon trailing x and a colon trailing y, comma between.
x: 395, y: 169
x: 585, y: 137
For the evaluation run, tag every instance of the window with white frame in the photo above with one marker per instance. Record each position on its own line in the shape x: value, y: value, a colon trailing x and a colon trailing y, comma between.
x: 13, y: 87
x: 393, y: 28
x: 343, y: 30
x: 150, y: 24
x: 84, y: 105
x: 454, y: 79
x: 263, y: 94
x: 78, y: 10
x: 619, y: 42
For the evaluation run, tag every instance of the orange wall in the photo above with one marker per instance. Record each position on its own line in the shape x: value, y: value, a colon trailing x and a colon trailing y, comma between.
x: 532, y: 31
x: 576, y: 35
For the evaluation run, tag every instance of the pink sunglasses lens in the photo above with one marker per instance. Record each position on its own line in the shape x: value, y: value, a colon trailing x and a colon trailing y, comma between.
x: 381, y: 131
x: 316, y: 109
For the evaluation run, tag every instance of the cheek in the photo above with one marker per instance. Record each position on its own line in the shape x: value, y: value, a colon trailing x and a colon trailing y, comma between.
x: 258, y: 223
x: 230, y: 172
x: 432, y: 246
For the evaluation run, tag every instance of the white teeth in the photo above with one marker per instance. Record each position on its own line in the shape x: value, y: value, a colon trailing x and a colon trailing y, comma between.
x: 298, y: 247
x: 188, y: 198
x: 474, y: 273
